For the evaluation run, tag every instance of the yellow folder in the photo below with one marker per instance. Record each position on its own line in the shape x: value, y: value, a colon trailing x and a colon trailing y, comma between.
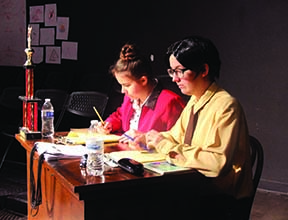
x: 78, y: 136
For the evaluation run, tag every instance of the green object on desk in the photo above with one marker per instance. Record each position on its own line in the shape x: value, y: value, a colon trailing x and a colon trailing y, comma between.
x: 163, y: 167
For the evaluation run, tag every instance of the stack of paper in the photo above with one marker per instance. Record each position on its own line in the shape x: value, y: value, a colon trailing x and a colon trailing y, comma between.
x: 58, y: 151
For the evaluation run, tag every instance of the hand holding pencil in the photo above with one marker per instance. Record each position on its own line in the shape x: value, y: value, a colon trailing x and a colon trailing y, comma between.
x: 103, y: 127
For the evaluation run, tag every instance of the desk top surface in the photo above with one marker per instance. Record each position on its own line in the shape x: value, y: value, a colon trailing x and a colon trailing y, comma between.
x: 76, y: 178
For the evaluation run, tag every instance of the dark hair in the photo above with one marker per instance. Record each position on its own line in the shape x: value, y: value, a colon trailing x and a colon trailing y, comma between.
x: 132, y: 60
x: 195, y: 51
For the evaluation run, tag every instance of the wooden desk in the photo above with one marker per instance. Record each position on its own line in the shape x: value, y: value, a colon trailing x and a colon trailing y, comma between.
x: 68, y: 193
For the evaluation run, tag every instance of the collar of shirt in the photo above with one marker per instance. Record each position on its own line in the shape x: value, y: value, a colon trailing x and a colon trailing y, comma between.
x: 204, y: 98
x: 150, y: 101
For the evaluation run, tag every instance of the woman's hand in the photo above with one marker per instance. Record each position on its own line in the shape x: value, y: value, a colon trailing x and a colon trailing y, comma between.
x: 153, y: 138
x: 135, y: 139
x: 105, y: 128
x: 127, y: 137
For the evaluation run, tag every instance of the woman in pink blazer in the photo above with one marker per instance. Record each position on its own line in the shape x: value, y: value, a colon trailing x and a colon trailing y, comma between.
x: 146, y: 104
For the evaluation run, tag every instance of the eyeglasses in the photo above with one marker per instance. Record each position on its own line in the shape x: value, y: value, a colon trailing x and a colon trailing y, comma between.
x: 178, y: 72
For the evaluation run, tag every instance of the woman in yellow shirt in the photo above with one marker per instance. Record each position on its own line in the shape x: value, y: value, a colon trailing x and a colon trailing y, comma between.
x: 219, y: 146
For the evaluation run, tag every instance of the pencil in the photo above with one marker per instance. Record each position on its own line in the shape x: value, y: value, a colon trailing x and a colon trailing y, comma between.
x: 99, y: 116
x: 142, y: 145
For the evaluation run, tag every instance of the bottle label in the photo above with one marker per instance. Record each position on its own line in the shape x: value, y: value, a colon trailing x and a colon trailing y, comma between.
x: 93, y: 143
x: 94, y: 147
x: 48, y: 114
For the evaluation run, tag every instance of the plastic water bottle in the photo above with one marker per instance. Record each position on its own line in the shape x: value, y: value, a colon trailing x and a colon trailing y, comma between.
x: 47, y: 116
x: 95, y: 151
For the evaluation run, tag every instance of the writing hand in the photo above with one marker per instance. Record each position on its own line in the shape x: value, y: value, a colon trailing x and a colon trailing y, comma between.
x: 104, y: 128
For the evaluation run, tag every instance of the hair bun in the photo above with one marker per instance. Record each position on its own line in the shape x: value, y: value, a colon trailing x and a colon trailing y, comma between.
x: 128, y: 52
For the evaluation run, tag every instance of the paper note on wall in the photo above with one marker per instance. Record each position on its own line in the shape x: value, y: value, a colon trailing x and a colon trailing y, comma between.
x: 13, y: 32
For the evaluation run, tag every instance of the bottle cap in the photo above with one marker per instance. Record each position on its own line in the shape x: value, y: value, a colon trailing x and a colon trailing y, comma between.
x: 94, y: 122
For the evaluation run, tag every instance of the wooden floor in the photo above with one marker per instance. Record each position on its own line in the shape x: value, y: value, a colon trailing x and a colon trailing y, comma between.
x: 13, y: 198
x: 270, y: 206
x: 13, y: 191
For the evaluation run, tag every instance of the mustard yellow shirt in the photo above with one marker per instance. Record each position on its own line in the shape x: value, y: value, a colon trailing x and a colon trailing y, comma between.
x: 220, y: 145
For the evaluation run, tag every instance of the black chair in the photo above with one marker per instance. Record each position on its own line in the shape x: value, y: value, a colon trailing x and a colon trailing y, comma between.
x: 257, y: 159
x: 11, y: 120
x: 241, y: 210
x: 80, y: 109
x: 13, y: 105
x: 58, y: 99
x: 224, y: 207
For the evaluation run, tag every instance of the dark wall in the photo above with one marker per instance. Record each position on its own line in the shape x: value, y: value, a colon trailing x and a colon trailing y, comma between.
x: 250, y: 35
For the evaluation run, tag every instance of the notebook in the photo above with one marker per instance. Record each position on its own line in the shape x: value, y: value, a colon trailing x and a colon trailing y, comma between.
x: 163, y: 167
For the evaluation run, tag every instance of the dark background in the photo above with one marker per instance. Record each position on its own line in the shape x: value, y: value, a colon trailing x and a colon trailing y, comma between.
x: 251, y: 36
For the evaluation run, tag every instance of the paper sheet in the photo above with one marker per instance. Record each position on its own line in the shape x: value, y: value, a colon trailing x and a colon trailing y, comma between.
x: 140, y: 156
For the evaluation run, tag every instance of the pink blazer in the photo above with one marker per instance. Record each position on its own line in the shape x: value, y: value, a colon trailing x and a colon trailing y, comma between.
x: 160, y: 112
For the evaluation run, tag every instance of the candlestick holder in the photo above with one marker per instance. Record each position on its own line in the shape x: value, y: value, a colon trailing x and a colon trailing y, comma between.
x: 30, y: 103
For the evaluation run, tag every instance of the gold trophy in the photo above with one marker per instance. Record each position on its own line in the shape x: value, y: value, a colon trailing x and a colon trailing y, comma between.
x: 30, y: 103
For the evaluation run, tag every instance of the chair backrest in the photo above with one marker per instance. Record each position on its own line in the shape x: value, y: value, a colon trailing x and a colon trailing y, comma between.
x: 80, y: 111
x: 257, y: 159
x: 82, y: 102
x: 58, y: 99
x: 257, y: 162
x: 244, y: 206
